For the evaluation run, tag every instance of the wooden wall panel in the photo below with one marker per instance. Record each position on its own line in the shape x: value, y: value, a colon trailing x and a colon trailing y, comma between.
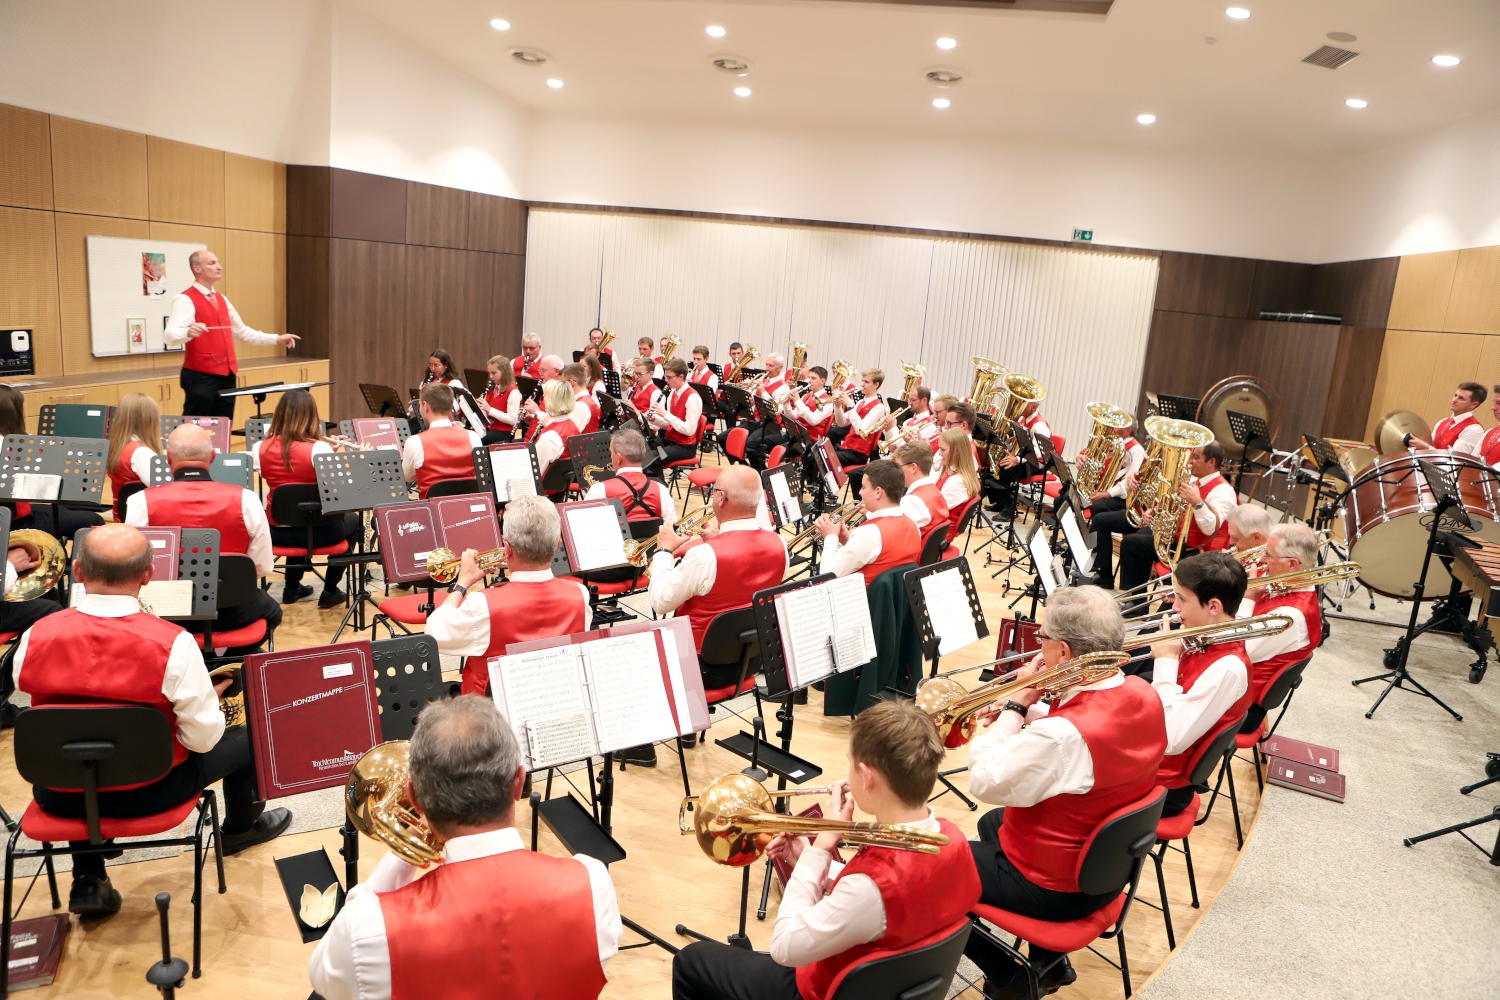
x: 1488, y: 374
x: 1474, y: 305
x: 98, y: 170
x: 1404, y: 376
x: 212, y: 238
x: 496, y: 224
x: 307, y: 293
x: 1457, y: 360
x: 448, y: 299
x: 1351, y: 386
x: 1295, y: 358
x: 1206, y: 284
x: 507, y: 313
x: 25, y: 158
x: 260, y: 286
x: 309, y: 201
x: 28, y: 282
x: 73, y: 289
x: 1358, y: 290
x: 436, y: 216
x: 367, y: 321
x: 254, y: 194
x: 185, y: 182
x: 368, y: 207
x: 1423, y: 284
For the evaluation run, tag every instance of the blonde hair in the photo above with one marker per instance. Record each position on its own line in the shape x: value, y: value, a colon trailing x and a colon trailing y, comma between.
x: 136, y: 418
x: 559, y: 397
x: 874, y: 375
x: 960, y: 460
x: 507, y: 373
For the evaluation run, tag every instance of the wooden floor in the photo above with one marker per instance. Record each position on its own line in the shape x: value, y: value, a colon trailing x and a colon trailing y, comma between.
x: 251, y: 945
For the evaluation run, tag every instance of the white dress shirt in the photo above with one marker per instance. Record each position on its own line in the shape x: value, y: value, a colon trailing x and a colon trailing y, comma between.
x: 353, y: 961
x: 184, y: 682
x: 1011, y: 766
x: 138, y: 515
x: 811, y: 926
x: 666, y: 504
x: 712, y: 381
x: 920, y: 427
x: 1134, y: 455
x: 412, y: 455
x: 1190, y: 714
x: 862, y: 548
x: 1470, y: 439
x: 11, y: 577
x: 1218, y: 503
x: 318, y: 448
x: 674, y: 582
x: 464, y: 630
x: 954, y: 491
x: 184, y: 314
x: 548, y: 448
x: 581, y: 414
x: 809, y: 416
x: 914, y: 506
x: 863, y: 425
x: 1296, y: 637
x: 687, y: 425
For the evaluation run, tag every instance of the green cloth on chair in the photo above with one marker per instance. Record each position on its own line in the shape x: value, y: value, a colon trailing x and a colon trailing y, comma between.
x: 898, y: 661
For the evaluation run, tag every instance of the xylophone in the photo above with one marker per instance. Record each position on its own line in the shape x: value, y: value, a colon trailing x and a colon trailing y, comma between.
x: 1478, y: 568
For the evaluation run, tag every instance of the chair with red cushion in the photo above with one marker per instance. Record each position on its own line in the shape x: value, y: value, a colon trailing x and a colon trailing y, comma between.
x: 734, y: 449
x: 731, y: 637
x: 406, y: 609
x: 776, y: 455
x: 963, y: 525
x: 921, y: 971
x: 1110, y: 861
x: 684, y: 466
x: 298, y: 505
x: 237, y: 586
x: 92, y: 747
x: 1250, y: 737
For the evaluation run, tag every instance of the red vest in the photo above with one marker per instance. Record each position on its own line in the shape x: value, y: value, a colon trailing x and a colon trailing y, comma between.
x: 922, y: 894
x: 747, y: 561
x: 936, y: 505
x: 813, y: 401
x: 201, y: 503
x: 562, y: 430
x: 499, y: 401
x: 900, y: 544
x: 1489, y: 448
x: 854, y: 441
x: 1196, y: 539
x: 643, y: 397
x: 520, y: 612
x: 120, y: 476
x: 1264, y: 672
x: 1445, y: 434
x: 528, y: 934
x: 587, y: 399
x: 447, y: 453
x: 212, y: 351
x: 1176, y: 769
x: 1126, y: 733
x: 530, y: 369
x: 648, y: 507
x: 701, y: 378
x: 677, y: 404
x: 274, y: 470
x: 1030, y: 424
x: 73, y: 658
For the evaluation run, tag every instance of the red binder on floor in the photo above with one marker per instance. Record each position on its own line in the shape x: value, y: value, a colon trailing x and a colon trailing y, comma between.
x: 1305, y: 778
x: 1287, y: 748
x: 312, y: 713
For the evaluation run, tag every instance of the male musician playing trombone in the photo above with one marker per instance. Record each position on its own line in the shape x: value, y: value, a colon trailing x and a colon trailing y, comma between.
x: 1291, y: 548
x: 1249, y: 527
x: 885, y: 540
x: 1460, y: 431
x: 493, y: 918
x: 1058, y: 773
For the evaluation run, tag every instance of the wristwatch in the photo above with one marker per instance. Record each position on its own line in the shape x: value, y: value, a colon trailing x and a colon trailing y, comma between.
x: 1015, y: 706
x: 457, y: 588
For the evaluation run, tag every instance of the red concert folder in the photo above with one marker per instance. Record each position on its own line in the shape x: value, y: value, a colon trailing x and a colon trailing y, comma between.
x: 408, y: 533
x: 166, y: 545
x: 467, y: 522
x: 379, y: 431
x: 1289, y: 749
x: 36, y: 950
x: 312, y: 713
x: 1306, y: 778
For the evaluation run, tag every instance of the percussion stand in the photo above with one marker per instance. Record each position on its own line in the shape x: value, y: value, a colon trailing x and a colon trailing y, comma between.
x: 1492, y: 770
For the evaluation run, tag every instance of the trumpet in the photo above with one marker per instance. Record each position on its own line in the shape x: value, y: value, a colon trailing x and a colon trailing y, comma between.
x: 1200, y: 637
x: 638, y: 551
x: 747, y: 359
x: 886, y: 444
x: 955, y: 711
x: 846, y: 512
x: 377, y: 804
x: 734, y: 820
x: 443, y: 564
x: 669, y: 345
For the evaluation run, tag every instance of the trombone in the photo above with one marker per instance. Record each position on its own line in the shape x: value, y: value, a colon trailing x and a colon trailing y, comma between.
x: 443, y: 564
x: 1200, y: 637
x: 846, y: 512
x: 638, y: 551
x: 734, y: 820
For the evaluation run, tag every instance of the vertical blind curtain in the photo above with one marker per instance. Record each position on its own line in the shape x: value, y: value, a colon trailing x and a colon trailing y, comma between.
x: 1076, y: 320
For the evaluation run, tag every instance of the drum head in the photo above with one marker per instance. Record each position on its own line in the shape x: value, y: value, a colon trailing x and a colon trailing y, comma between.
x: 1355, y: 456
x: 1243, y: 394
x: 1393, y: 428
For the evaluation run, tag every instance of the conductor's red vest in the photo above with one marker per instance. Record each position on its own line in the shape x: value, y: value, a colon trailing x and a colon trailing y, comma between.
x: 212, y: 351
x: 447, y: 453
x: 900, y: 543
x: 1174, y: 770
x: 520, y: 612
x: 747, y: 561
x: 201, y: 503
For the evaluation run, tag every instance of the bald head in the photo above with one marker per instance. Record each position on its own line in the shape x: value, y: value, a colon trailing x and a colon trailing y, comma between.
x: 550, y: 367
x: 190, y: 446
x: 740, y: 485
x: 113, y: 559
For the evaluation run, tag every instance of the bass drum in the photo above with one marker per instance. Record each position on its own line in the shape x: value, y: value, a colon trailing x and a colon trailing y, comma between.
x: 1383, y: 519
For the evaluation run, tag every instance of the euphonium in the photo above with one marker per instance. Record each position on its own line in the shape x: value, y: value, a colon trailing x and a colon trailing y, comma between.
x: 734, y: 820
x: 914, y: 375
x: 51, y: 564
x: 748, y: 358
x: 799, y: 359
x: 443, y: 564
x: 604, y: 341
x: 1105, y: 452
x: 376, y: 802
x: 1019, y: 390
x: 669, y: 345
x: 988, y: 376
x: 1200, y: 637
x: 1161, y: 475
x: 955, y: 710
x: 638, y: 551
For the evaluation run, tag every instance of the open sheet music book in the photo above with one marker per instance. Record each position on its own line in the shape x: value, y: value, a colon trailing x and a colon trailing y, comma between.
x: 948, y: 609
x: 825, y: 629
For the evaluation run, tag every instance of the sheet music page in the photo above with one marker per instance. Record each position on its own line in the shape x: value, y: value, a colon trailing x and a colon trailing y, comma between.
x: 679, y: 689
x: 851, y: 615
x: 169, y: 598
x: 475, y: 424
x: 506, y: 465
x: 35, y: 486
x: 1041, y: 554
x: 630, y: 701
x: 948, y: 610
x: 787, y: 504
x: 598, y: 542
x: 1082, y: 554
x: 806, y: 628
x: 560, y: 740
x: 522, y: 487
x: 542, y: 684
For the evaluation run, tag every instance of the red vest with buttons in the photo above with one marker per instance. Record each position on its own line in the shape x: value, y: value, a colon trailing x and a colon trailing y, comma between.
x: 73, y: 658
x: 643, y: 397
x: 746, y: 561
x: 1126, y: 733
x: 677, y: 405
x: 1175, y: 769
x: 936, y: 505
x: 814, y: 401
x: 649, y: 505
x: 212, y: 351
x: 700, y: 378
x: 520, y: 612
x: 587, y: 399
x: 527, y: 924
x: 1264, y: 672
x: 120, y: 476
x: 531, y: 369
x: 854, y: 441
x: 922, y: 894
x: 447, y: 453
x: 900, y: 544
x: 275, y: 471
x: 1196, y: 539
x: 499, y: 400
x: 201, y: 503
x: 1489, y: 448
x: 1446, y: 433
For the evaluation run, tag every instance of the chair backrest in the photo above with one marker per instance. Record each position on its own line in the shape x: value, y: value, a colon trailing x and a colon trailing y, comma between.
x: 1059, y: 443
x: 921, y: 972
x: 725, y: 639
x: 286, y: 507
x: 775, y: 457
x: 1112, y: 852
x: 734, y: 444
x: 1211, y: 752
x: 966, y: 515
x: 642, y: 530
x: 454, y: 487
x: 1282, y: 684
x: 237, y: 581
x: 126, y: 492
x: 556, y: 479
x: 932, y: 549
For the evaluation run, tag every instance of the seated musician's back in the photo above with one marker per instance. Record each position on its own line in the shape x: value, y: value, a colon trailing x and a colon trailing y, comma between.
x: 444, y: 450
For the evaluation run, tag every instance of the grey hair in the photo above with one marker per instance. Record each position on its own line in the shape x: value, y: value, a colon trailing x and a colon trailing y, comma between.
x: 1086, y: 618
x: 1251, y: 519
x: 630, y: 443
x: 533, y: 528
x: 190, y: 443
x: 463, y: 760
x: 1298, y: 542
x: 193, y: 259
x: 779, y: 359
x: 531, y: 338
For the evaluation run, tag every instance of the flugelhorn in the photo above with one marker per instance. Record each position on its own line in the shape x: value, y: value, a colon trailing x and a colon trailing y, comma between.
x: 443, y: 564
x: 734, y: 820
x: 843, y: 372
x: 1104, y: 455
x: 378, y: 806
x: 51, y: 564
x: 638, y: 551
x: 1200, y: 637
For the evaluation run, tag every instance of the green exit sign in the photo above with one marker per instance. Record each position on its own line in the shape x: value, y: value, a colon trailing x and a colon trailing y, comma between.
x: 1086, y: 235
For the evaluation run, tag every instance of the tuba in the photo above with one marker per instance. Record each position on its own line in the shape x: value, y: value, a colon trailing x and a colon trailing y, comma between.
x: 842, y: 372
x: 1162, y: 474
x: 1105, y: 452
x: 669, y: 345
x: 734, y: 820
x: 747, y: 359
x: 989, y: 378
x: 914, y: 375
x: 51, y: 564
x: 376, y: 802
x: 799, y: 359
x: 1019, y: 390
x: 605, y: 340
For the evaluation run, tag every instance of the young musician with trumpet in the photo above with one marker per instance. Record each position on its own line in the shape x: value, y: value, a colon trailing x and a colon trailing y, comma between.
x: 444, y: 450
x: 1057, y: 772
x: 1291, y: 547
x: 501, y: 403
x: 676, y: 414
x: 865, y: 421
x: 884, y: 899
x: 885, y: 540
x: 922, y: 425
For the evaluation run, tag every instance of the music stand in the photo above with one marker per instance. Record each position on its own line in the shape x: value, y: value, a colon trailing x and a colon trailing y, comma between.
x: 710, y: 403
x: 1250, y: 431
x: 382, y: 400
x: 1176, y: 407
x: 232, y: 469
x: 612, y: 383
x: 476, y: 379
x: 783, y: 475
x: 352, y: 429
x: 59, y: 471
x: 739, y: 400
x: 590, y: 451
x: 258, y: 393
x: 408, y: 675
x: 85, y: 420
x: 359, y: 481
x: 484, y: 468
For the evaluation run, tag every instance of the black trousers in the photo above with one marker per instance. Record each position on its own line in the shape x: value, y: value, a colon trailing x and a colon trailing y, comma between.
x: 263, y: 605
x: 18, y: 616
x: 1107, y: 518
x: 678, y: 452
x: 230, y: 760
x: 758, y: 446
x: 200, y: 392
x: 499, y: 436
x: 708, y: 970
x: 1178, y: 799
x: 323, y: 536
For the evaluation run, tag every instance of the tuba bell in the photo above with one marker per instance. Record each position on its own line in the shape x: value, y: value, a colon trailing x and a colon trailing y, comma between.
x: 669, y: 345
x: 51, y: 564
x: 989, y: 377
x: 1161, y: 475
x: 914, y: 375
x: 737, y: 369
x: 376, y: 802
x: 799, y: 359
x: 604, y: 341
x: 1105, y: 452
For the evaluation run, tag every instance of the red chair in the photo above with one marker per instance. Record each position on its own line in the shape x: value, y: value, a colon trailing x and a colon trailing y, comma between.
x: 922, y: 971
x: 406, y: 609
x: 682, y: 466
x: 297, y: 505
x: 775, y: 457
x: 237, y: 586
x: 734, y: 448
x: 1250, y: 737
x: 1110, y: 861
x: 963, y: 524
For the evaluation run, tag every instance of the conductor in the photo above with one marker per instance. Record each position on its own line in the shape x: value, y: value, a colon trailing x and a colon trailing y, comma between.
x: 203, y: 320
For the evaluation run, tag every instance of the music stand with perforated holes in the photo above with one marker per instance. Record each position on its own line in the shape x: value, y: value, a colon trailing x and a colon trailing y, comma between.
x: 359, y: 481
x: 1176, y: 407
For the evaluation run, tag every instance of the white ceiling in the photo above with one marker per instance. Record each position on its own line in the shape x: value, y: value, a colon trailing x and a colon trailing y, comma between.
x: 817, y: 63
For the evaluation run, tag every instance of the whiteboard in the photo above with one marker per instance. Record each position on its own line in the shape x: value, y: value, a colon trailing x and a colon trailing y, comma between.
x: 131, y: 287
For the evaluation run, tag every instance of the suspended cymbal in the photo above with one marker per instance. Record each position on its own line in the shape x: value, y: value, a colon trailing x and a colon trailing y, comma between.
x: 1390, y: 433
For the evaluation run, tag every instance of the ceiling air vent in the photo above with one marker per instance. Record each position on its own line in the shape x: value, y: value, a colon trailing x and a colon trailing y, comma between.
x: 945, y: 77
x: 530, y: 57
x: 1330, y: 57
x: 731, y: 64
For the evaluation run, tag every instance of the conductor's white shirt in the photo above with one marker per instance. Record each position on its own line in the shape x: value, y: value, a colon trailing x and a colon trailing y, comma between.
x: 862, y: 548
x: 184, y: 314
x: 674, y: 582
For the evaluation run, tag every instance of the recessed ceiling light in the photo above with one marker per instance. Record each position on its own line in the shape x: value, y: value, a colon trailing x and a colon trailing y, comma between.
x: 1355, y: 102
x: 1145, y: 119
x: 1341, y: 36
x: 1238, y: 13
x: 946, y: 43
x: 742, y: 91
x: 500, y: 24
x: 1446, y: 60
x: 554, y: 83
x: 714, y: 31
x: 941, y: 102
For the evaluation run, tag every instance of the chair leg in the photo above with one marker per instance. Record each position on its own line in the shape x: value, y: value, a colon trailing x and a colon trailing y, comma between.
x: 1234, y: 804
x: 1260, y: 781
x: 10, y: 866
x: 52, y: 878
x: 197, y: 907
x: 1187, y: 853
x: 213, y: 814
x: 1161, y: 886
x: 1124, y: 960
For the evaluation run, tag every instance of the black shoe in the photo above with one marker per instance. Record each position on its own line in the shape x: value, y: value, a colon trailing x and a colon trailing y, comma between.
x: 93, y: 896
x: 1100, y: 580
x: 272, y: 823
x: 1060, y: 975
x: 291, y: 595
x: 689, y: 741
x: 642, y: 756
x: 330, y: 598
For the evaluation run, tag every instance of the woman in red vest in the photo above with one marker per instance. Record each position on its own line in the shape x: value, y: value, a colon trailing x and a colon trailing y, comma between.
x: 286, y: 457
x: 557, y: 426
x: 501, y: 402
x: 134, y: 436
x: 883, y: 900
x: 957, y: 475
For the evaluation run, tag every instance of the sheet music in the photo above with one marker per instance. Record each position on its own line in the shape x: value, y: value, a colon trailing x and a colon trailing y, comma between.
x: 598, y: 542
x: 1083, y: 556
x: 787, y: 504
x: 522, y: 487
x: 469, y: 413
x: 948, y: 610
x: 508, y: 464
x: 542, y: 684
x: 851, y: 615
x: 35, y: 486
x: 630, y: 701
x: 1041, y: 554
x: 560, y: 739
x: 169, y: 598
x: 806, y: 628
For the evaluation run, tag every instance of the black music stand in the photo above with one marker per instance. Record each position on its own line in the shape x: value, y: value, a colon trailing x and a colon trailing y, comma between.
x: 258, y: 393
x: 739, y: 400
x: 484, y: 471
x: 1448, y: 499
x: 1250, y: 431
x: 382, y: 400
x: 1176, y: 407
x: 710, y: 402
x: 359, y: 481
x: 232, y: 469
x: 612, y: 382
x: 793, y: 475
x: 476, y: 379
x: 72, y: 471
